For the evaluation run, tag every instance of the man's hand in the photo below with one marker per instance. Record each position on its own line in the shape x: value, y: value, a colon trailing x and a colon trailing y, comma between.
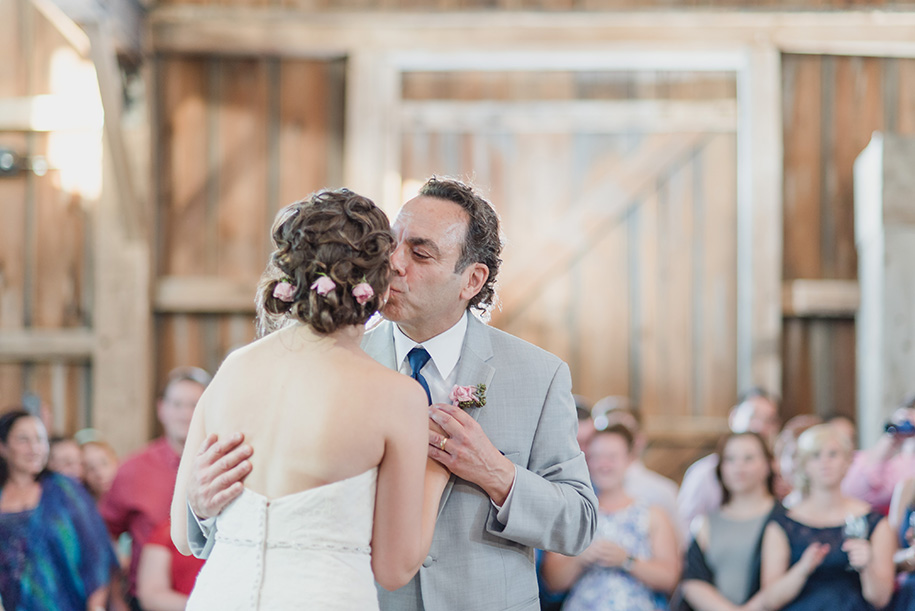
x: 220, y: 467
x: 468, y: 452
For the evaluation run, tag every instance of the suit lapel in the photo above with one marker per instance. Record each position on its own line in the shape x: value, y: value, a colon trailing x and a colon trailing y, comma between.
x: 379, y: 344
x: 473, y: 368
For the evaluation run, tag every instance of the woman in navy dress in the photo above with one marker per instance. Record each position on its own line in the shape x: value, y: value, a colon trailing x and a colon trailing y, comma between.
x: 829, y: 552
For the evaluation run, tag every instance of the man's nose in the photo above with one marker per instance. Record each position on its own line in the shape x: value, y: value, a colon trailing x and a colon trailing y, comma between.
x: 397, y: 259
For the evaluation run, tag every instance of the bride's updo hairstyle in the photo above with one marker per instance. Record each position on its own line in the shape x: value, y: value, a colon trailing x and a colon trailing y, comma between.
x: 339, y: 235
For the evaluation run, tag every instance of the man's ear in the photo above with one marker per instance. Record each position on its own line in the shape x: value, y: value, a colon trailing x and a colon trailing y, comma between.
x: 475, y: 276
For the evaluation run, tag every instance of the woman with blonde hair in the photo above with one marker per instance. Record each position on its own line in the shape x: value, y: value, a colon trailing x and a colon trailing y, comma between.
x: 829, y: 551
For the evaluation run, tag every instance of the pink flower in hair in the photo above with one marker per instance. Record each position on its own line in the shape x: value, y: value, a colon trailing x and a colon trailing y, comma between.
x: 363, y: 292
x: 323, y: 285
x: 285, y: 291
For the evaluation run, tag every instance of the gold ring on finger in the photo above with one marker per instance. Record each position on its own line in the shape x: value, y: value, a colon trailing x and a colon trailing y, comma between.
x: 441, y: 444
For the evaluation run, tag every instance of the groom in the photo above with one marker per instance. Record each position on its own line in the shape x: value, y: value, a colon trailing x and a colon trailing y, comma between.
x: 519, y: 479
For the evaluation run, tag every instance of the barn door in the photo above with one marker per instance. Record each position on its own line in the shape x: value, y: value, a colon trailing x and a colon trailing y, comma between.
x: 629, y: 234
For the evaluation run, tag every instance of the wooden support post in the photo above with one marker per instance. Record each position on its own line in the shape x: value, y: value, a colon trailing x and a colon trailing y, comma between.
x: 885, y: 235
x: 760, y: 221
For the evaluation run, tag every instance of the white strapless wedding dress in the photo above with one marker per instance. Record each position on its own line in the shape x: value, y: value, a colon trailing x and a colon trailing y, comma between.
x: 308, y: 550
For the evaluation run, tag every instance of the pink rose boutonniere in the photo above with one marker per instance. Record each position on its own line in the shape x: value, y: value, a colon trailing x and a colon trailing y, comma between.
x: 468, y: 396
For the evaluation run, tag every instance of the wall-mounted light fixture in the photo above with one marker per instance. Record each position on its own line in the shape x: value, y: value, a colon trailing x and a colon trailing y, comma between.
x: 12, y: 164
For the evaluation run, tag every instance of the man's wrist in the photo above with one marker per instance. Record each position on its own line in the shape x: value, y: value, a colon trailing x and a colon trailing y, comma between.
x: 501, y: 480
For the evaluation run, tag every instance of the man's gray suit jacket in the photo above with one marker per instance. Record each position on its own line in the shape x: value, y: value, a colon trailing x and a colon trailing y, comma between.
x: 476, y: 563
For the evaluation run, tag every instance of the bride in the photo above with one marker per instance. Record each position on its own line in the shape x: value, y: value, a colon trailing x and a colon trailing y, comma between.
x: 341, y: 494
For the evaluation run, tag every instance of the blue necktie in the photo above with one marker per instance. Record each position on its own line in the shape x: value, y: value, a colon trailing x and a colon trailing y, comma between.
x: 419, y: 357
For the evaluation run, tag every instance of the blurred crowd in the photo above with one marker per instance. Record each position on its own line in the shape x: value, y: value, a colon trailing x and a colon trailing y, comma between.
x: 781, y: 516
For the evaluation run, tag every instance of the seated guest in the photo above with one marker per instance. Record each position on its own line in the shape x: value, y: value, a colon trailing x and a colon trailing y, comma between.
x: 165, y: 576
x: 829, y: 551
x: 722, y: 564
x: 757, y: 412
x: 65, y: 457
x: 901, y: 521
x: 54, y: 551
x: 633, y: 562
x: 100, y: 465
x: 642, y: 483
x: 874, y: 473
x: 141, y: 494
x: 785, y: 449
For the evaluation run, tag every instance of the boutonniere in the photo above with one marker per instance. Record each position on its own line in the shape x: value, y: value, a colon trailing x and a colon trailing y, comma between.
x: 468, y: 396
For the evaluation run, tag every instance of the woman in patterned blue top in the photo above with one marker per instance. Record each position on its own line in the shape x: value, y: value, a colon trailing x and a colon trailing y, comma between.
x: 633, y: 563
x: 55, y: 554
x: 829, y: 552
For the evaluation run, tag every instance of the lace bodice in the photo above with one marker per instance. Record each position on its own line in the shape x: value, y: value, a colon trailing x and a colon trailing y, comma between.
x: 305, y: 550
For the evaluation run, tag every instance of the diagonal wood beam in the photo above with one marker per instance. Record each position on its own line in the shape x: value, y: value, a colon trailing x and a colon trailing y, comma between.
x: 617, y: 184
x: 104, y: 57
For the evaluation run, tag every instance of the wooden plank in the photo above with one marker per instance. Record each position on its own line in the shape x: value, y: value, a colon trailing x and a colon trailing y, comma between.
x: 833, y: 298
x: 677, y: 218
x: 308, y: 129
x: 803, y: 130
x: 41, y: 345
x: 184, y: 180
x: 283, y: 32
x: 718, y: 289
x: 130, y: 203
x: 572, y: 116
x: 204, y: 294
x: 241, y: 186
x: 905, y: 122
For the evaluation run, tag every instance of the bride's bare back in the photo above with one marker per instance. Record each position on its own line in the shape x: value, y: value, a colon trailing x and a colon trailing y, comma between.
x: 316, y: 409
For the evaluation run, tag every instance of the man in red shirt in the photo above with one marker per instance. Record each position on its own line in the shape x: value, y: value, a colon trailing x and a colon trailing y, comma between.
x: 141, y: 494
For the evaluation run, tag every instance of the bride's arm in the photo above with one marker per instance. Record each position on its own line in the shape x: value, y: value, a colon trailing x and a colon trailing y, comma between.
x: 436, y: 479
x: 405, y: 509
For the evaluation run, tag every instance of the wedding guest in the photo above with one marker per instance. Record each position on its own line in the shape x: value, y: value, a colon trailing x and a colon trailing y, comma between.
x: 65, y: 457
x: 100, y: 466
x: 785, y: 449
x: 642, y: 483
x: 901, y: 521
x: 722, y: 563
x: 829, y: 551
x: 757, y: 412
x: 165, y: 576
x: 874, y: 473
x: 633, y: 562
x: 141, y: 493
x: 846, y: 426
x: 54, y: 554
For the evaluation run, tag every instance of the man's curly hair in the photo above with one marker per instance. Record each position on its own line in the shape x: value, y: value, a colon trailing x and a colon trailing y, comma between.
x: 483, y: 242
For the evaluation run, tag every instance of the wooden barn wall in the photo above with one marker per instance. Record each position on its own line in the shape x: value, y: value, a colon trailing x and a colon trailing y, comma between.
x: 238, y: 139
x: 831, y: 106
x: 45, y: 231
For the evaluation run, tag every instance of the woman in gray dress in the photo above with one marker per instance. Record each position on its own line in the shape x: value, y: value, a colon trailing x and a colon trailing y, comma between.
x: 722, y: 564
